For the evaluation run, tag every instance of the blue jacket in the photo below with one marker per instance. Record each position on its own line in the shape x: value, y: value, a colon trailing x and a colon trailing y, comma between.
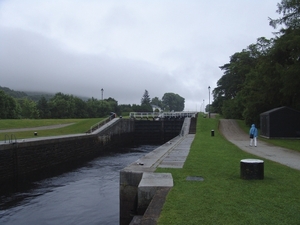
x: 253, y: 130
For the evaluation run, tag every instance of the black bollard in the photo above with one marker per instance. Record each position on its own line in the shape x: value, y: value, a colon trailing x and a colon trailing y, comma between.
x: 252, y: 169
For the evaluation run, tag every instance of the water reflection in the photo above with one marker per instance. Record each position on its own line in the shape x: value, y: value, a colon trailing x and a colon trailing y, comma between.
x: 88, y: 195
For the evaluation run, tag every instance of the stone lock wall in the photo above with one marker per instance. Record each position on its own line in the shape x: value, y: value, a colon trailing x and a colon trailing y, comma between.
x: 156, y: 131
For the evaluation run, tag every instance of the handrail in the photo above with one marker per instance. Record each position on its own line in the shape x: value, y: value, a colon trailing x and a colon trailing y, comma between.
x: 6, y: 135
x: 11, y: 137
x: 101, y: 123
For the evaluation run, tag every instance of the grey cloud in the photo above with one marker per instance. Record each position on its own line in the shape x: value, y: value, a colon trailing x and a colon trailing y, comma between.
x: 125, y: 47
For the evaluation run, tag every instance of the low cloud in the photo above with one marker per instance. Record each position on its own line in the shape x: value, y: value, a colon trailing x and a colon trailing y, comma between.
x: 125, y: 47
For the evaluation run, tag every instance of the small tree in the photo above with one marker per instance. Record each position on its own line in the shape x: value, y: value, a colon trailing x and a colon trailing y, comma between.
x: 146, y: 98
x: 145, y: 102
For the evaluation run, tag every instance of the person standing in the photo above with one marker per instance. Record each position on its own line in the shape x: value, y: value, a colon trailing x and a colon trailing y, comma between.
x: 253, y: 135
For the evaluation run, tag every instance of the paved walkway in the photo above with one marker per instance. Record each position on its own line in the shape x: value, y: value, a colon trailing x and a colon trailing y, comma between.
x: 233, y: 133
x: 176, y: 158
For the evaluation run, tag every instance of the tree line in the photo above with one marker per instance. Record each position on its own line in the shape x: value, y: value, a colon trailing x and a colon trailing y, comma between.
x: 68, y: 106
x: 266, y: 74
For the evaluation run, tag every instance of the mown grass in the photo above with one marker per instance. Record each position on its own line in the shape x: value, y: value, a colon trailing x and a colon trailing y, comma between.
x: 27, y: 123
x: 77, y: 126
x: 224, y: 198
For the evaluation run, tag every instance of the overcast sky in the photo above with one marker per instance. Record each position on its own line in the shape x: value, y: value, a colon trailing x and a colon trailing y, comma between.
x: 126, y: 46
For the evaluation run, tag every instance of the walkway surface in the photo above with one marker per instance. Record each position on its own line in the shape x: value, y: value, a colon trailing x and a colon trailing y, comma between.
x: 176, y: 158
x: 233, y: 133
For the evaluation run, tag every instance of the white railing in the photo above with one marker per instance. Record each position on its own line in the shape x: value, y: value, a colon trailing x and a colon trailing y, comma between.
x: 150, y: 115
x: 101, y: 123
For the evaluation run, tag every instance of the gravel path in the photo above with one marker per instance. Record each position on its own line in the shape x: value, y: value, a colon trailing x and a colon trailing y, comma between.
x: 232, y: 132
x: 37, y: 128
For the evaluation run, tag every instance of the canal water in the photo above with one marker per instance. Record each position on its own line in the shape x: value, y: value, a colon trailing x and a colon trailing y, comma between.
x: 87, y: 195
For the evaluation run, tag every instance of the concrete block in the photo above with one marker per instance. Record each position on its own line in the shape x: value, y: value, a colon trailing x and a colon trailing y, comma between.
x: 136, y: 220
x: 150, y: 183
x: 153, y: 211
x: 130, y: 178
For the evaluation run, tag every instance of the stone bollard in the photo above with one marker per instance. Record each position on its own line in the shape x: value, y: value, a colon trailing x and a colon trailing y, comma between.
x: 252, y: 169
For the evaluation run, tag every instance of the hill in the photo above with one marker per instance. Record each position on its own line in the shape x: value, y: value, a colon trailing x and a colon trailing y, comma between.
x: 33, y: 95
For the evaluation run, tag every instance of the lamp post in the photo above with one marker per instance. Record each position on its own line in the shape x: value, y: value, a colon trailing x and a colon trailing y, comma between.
x: 208, y: 101
x: 102, y: 94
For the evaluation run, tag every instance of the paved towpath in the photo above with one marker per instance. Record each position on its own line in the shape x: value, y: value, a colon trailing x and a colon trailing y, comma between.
x: 233, y: 133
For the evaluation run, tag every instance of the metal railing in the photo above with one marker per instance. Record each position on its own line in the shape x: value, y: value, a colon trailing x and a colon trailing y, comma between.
x: 10, y: 138
x: 101, y: 123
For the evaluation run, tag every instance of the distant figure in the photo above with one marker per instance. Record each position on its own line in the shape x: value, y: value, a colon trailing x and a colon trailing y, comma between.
x: 113, y: 115
x: 253, y: 135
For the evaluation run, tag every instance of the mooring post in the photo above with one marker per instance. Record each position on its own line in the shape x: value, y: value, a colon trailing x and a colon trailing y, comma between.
x: 252, y: 169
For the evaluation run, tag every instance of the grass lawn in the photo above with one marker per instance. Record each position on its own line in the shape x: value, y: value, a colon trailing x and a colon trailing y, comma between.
x: 78, y: 126
x: 222, y: 197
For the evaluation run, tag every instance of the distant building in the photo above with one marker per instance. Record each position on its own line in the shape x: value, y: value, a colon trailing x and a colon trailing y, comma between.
x: 282, y: 122
x: 154, y: 107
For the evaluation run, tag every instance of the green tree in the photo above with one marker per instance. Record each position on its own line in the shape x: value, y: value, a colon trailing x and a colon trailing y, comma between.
x: 105, y: 108
x: 62, y: 106
x: 29, y: 109
x: 146, y: 98
x: 125, y: 108
x: 286, y: 54
x: 136, y: 108
x: 113, y: 106
x: 156, y: 101
x: 172, y: 102
x: 233, y: 81
x: 9, y: 107
x: 80, y: 110
x: 93, y: 108
x: 290, y: 10
x: 242, y: 88
x: 145, y: 103
x: 43, y: 108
